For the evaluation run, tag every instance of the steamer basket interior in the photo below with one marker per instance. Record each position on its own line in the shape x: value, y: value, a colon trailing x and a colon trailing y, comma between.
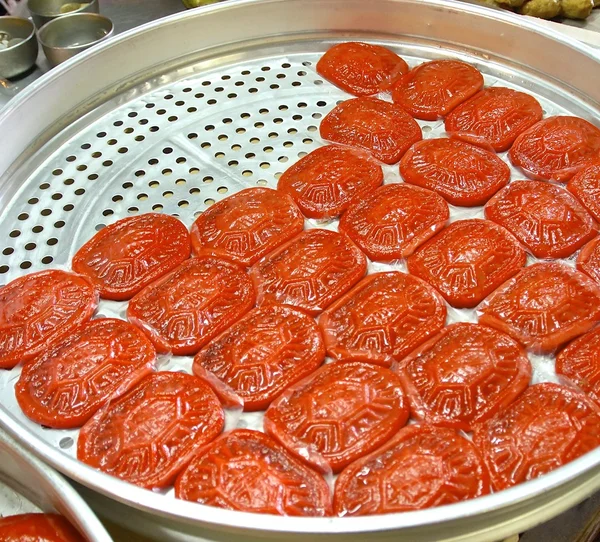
x: 181, y: 113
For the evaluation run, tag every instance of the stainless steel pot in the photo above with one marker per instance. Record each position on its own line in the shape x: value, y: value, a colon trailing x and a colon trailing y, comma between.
x: 176, y: 114
x: 44, y: 11
x: 21, y: 57
x: 28, y: 485
x: 64, y: 37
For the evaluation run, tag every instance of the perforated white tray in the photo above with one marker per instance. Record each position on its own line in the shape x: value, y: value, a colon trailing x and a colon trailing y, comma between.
x: 177, y: 139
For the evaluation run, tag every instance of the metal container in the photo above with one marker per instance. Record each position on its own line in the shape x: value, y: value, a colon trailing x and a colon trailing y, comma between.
x: 64, y: 37
x: 27, y: 486
x: 43, y: 11
x: 18, y: 58
x: 175, y: 115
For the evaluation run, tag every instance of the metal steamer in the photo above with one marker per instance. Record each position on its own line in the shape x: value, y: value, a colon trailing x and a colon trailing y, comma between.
x: 29, y: 486
x: 180, y: 113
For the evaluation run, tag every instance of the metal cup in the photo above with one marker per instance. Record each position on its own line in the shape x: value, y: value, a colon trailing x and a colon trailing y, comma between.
x: 16, y: 59
x: 44, y: 11
x: 64, y: 37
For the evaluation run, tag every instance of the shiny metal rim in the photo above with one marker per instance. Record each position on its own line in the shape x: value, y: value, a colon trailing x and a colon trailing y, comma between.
x: 54, y: 488
x: 580, y: 473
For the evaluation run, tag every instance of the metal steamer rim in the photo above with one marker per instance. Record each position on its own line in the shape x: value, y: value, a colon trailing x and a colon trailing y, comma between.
x: 29, y: 486
x: 185, y: 128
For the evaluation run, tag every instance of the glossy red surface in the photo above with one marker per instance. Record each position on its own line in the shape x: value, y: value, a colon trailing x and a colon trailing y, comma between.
x: 545, y: 428
x: 326, y: 181
x: 149, y: 435
x: 392, y: 221
x: 468, y: 260
x: 248, y: 471
x: 464, y: 375
x: 67, y: 384
x: 193, y: 304
x: 545, y: 217
x: 422, y: 467
x: 462, y: 173
x: 126, y: 256
x: 40, y: 310
x: 382, y: 128
x: 360, y: 68
x: 544, y: 306
x: 246, y: 226
x: 309, y: 272
x: 386, y: 316
x: 263, y: 353
x: 432, y: 89
x: 497, y: 115
x: 342, y: 412
x: 556, y: 148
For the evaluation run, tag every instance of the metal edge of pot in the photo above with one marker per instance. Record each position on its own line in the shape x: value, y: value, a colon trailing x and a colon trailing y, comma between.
x: 420, y: 18
x: 47, y: 489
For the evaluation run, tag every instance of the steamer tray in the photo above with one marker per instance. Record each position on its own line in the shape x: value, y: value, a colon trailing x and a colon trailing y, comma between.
x: 178, y: 114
